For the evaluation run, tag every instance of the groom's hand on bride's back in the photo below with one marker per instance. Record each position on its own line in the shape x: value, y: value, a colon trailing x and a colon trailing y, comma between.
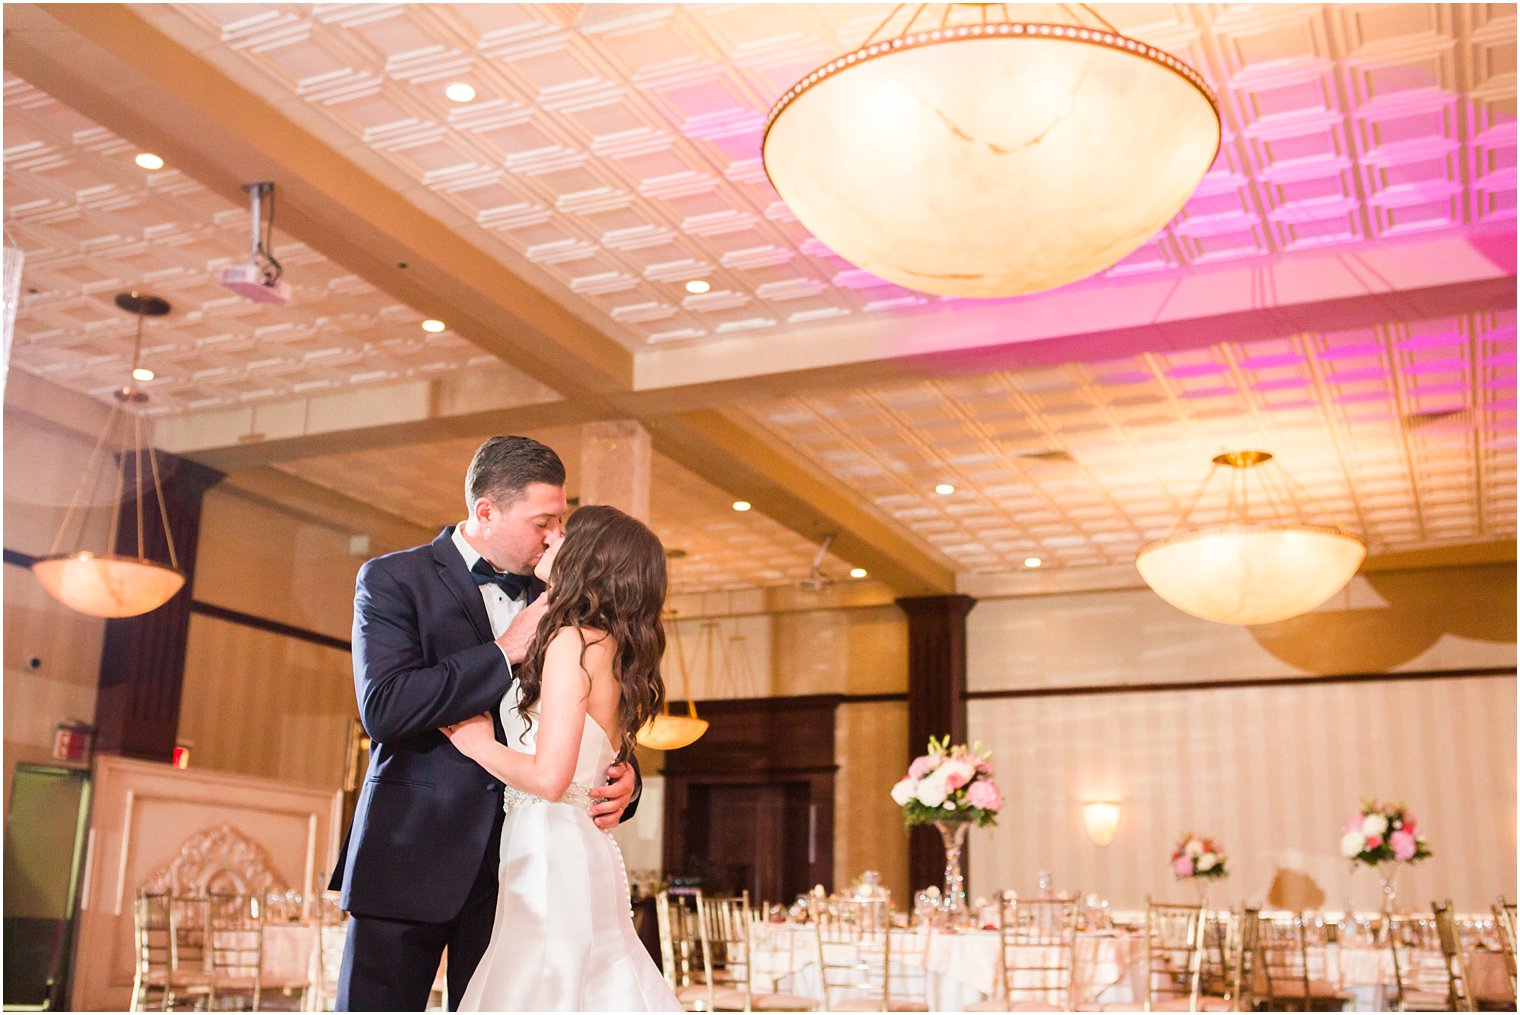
x: 611, y: 800
x: 519, y: 633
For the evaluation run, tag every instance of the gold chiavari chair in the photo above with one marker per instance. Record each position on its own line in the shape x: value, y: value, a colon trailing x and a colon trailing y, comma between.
x: 1243, y: 975
x: 681, y: 950
x: 1174, y: 943
x: 855, y: 949
x: 1220, y: 929
x: 1451, y: 953
x: 1287, y: 974
x: 1504, y: 920
x: 235, y: 941
x: 1038, y: 941
x: 167, y: 936
x: 724, y: 924
x: 1410, y: 941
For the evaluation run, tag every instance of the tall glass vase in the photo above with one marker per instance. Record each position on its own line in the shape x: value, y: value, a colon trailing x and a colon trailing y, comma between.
x: 953, y: 902
x: 1386, y: 872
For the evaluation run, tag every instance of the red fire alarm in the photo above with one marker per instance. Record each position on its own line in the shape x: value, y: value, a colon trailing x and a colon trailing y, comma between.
x: 71, y: 740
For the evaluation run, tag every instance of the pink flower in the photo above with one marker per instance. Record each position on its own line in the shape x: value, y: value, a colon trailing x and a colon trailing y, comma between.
x: 1374, y: 841
x: 1183, y: 866
x: 985, y: 795
x: 1403, y: 845
x: 923, y: 765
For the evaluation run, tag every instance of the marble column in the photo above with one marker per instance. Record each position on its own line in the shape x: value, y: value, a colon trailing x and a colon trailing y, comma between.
x: 615, y: 463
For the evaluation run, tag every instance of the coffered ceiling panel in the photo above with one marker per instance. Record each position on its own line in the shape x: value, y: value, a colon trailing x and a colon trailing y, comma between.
x: 1404, y: 434
x: 719, y: 548
x: 612, y: 152
x: 92, y: 223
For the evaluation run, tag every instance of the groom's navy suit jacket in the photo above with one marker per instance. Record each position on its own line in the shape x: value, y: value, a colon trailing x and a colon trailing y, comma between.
x: 423, y: 658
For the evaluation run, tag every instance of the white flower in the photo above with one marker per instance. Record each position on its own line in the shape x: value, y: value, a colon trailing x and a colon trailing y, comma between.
x: 1206, y: 862
x: 956, y: 773
x: 1351, y: 844
x: 1374, y: 824
x: 949, y: 805
x: 904, y: 791
x: 931, y: 791
x: 1193, y: 848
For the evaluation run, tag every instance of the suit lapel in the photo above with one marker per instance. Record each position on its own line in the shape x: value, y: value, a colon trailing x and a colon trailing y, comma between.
x: 456, y: 576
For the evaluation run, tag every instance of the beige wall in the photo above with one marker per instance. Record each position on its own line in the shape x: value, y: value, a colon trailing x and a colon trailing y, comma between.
x: 43, y: 464
x: 1272, y: 771
x: 264, y: 704
x: 258, y: 559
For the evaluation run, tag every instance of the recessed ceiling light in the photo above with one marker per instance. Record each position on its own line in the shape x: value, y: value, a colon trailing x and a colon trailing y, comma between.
x: 1032, y: 561
x: 460, y: 92
x: 149, y: 161
x: 741, y: 505
x: 433, y: 326
x: 142, y: 374
x: 857, y: 572
x: 944, y: 489
x: 698, y: 286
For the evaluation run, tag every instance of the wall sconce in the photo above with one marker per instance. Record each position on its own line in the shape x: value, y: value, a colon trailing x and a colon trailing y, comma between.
x: 1102, y: 820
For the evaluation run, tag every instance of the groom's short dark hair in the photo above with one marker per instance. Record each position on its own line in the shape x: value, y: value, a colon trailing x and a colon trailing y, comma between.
x: 504, y: 466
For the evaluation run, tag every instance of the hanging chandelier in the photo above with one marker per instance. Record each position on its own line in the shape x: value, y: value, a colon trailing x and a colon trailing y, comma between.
x: 666, y: 731
x: 111, y: 584
x: 963, y: 154
x: 1245, y: 570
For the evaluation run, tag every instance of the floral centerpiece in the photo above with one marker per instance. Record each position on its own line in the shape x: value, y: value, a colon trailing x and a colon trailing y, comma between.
x: 952, y: 789
x: 1383, y: 832
x: 1197, y: 856
x: 949, y: 783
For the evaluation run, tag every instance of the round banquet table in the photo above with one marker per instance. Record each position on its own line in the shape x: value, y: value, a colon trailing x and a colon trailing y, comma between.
x: 958, y: 968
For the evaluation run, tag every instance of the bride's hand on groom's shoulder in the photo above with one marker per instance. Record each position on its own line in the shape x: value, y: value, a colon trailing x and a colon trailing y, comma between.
x: 472, y: 736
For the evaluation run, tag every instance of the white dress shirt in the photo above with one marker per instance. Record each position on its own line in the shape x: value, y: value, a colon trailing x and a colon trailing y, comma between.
x: 499, y: 609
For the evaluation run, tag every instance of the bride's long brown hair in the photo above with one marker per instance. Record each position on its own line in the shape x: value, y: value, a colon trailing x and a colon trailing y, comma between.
x: 609, y: 575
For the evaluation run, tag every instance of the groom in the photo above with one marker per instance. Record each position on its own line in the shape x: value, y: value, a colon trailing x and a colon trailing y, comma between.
x: 437, y: 630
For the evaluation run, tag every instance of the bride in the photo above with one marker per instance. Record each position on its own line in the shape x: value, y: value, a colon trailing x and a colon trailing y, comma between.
x: 563, y: 938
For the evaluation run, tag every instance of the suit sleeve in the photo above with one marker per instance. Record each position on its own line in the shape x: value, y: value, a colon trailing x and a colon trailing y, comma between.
x: 399, y: 696
x: 638, y: 790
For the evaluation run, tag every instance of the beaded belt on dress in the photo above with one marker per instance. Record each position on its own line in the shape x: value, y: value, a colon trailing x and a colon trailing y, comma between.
x: 576, y: 795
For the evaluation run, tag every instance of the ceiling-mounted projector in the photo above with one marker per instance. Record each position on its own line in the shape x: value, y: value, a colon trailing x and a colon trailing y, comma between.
x: 253, y: 282
x: 259, y: 280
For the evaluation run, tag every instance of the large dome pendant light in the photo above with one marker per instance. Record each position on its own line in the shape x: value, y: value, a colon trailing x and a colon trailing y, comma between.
x: 668, y: 732
x: 965, y: 156
x: 109, y: 584
x: 1245, y: 571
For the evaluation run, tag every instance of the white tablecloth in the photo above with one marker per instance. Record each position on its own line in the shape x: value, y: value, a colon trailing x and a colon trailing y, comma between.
x: 959, y: 968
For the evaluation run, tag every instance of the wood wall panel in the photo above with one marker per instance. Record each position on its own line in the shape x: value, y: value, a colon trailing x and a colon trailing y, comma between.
x: 1273, y: 772
x: 272, y: 564
x: 266, y: 705
x: 870, y: 740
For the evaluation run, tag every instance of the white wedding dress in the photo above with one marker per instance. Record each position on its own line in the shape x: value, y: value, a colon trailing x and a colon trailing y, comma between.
x: 563, y: 938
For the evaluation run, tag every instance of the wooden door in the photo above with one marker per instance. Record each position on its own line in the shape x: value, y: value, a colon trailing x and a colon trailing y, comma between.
x: 755, y: 837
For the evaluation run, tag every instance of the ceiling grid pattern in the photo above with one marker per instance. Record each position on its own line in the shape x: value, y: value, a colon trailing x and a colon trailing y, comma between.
x: 93, y: 224
x: 1403, y: 433
x: 614, y: 151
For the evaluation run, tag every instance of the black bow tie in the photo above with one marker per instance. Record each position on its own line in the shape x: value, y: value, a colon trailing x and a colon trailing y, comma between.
x: 512, y: 584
